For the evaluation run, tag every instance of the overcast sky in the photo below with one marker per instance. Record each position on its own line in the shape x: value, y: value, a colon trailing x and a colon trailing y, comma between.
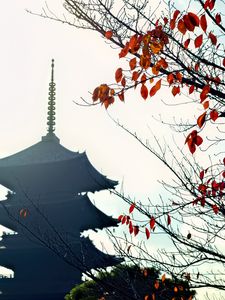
x: 83, y: 60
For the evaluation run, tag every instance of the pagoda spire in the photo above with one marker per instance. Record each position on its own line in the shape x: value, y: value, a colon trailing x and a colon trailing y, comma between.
x: 51, y: 103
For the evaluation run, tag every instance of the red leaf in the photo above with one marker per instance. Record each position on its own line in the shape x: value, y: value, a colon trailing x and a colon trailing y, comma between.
x: 211, y: 4
x: 198, y: 41
x: 152, y: 222
x: 172, y: 24
x: 131, y: 208
x: 133, y: 63
x: 124, y: 51
x: 186, y: 43
x: 147, y: 232
x: 133, y: 42
x: 131, y: 228
x: 224, y: 62
x: 204, y: 93
x: 120, y: 218
x: 135, y: 75
x: 214, y: 115
x: 170, y: 78
x: 155, y: 88
x: 215, y: 208
x: 194, y: 19
x: 108, y: 34
x: 175, y: 14
x: 198, y: 140
x: 121, y: 96
x: 188, y: 24
x: 218, y: 18
x: 224, y: 161
x: 144, y: 91
x: 203, y: 23
x: 143, y: 78
x: 118, y: 75
x: 136, y: 230
x: 175, y: 90
x: 181, y: 26
x: 213, y: 38
x: 168, y: 219
x: 201, y: 120
x: 123, y: 81
x: 124, y: 218
x: 191, y: 89
x: 201, y: 175
x: 197, y: 67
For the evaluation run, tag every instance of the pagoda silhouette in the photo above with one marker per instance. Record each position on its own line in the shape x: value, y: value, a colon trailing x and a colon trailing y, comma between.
x: 47, y: 208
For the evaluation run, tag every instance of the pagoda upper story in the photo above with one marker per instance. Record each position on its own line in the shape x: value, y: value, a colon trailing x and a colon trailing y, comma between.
x: 57, y: 169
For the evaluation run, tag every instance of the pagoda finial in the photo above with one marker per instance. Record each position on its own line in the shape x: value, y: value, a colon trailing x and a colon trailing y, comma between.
x: 51, y: 103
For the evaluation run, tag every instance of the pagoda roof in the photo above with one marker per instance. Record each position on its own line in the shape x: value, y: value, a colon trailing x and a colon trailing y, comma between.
x: 48, y: 167
x: 47, y: 150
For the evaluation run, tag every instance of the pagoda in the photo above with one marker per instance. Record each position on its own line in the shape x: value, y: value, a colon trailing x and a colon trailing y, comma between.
x: 47, y: 208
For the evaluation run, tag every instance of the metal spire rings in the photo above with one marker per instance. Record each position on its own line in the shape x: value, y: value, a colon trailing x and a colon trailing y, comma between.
x: 51, y: 103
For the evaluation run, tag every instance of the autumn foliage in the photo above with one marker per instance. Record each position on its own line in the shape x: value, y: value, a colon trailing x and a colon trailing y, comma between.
x: 151, y: 64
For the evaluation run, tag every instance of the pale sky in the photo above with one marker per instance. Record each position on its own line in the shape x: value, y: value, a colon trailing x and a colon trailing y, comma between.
x: 83, y: 60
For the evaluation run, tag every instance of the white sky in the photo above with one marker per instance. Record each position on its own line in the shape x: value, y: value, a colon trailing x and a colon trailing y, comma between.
x: 82, y: 61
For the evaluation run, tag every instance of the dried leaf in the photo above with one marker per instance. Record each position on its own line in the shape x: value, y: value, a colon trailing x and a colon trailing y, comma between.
x: 201, y: 120
x: 144, y: 92
x: 108, y: 34
x: 214, y: 115
x: 147, y: 232
x: 203, y: 23
x: 198, y: 41
x: 118, y: 75
x: 131, y: 208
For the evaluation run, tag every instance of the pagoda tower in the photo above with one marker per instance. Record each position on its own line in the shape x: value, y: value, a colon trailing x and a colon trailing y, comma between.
x: 47, y: 208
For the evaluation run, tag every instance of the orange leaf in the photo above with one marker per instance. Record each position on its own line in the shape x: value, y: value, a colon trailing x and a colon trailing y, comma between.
x: 124, y: 51
x: 181, y: 26
x: 201, y: 120
x: 179, y: 77
x: 133, y: 63
x: 175, y: 90
x: 95, y: 94
x: 198, y: 41
x: 163, y: 278
x: 121, y: 96
x: 175, y: 289
x: 108, y: 34
x: 170, y: 78
x: 135, y: 75
x: 214, y: 115
x: 206, y: 104
x: 118, y: 75
x: 123, y: 81
x: 133, y: 41
x: 155, y: 88
x: 145, y: 62
x: 156, y: 47
x: 186, y: 43
x: 213, y: 38
x: 152, y: 222
x: 144, y: 91
x: 203, y: 23
x: 143, y: 78
x: 204, y: 92
x: 131, y: 208
x: 156, y: 285
x: 147, y: 232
